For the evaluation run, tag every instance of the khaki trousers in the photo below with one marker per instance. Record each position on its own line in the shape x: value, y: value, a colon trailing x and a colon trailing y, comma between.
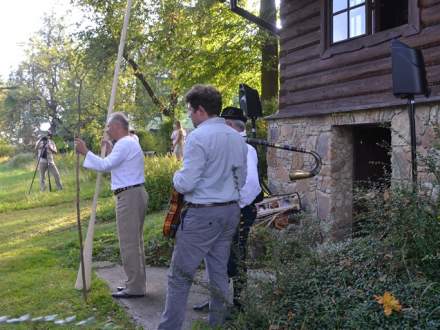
x: 131, y: 206
x: 53, y: 170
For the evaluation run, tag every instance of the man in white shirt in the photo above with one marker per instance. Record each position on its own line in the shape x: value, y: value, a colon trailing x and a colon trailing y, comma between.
x: 248, y: 194
x: 126, y: 164
x: 214, y: 170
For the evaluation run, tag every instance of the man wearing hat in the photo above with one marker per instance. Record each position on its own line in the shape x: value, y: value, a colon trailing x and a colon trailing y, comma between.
x: 46, y: 148
x: 249, y: 193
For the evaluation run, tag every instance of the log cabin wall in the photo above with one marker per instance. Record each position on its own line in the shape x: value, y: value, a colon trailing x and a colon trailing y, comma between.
x: 357, y: 74
x: 328, y: 92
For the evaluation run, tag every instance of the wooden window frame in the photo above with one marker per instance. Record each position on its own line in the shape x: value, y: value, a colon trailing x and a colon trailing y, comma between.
x: 327, y: 49
x: 347, y: 10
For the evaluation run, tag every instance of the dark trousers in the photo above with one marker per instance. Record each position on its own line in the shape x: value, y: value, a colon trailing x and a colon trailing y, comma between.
x: 237, y: 268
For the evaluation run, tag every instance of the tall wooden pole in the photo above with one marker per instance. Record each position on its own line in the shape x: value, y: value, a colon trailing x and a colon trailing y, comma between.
x: 88, y: 246
x: 78, y: 209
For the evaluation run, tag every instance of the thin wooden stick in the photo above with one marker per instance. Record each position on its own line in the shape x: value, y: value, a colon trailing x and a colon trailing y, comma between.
x: 78, y: 209
x: 88, y: 246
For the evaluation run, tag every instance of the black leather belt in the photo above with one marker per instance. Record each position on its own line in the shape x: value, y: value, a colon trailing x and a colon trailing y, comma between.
x: 119, y: 190
x: 210, y: 204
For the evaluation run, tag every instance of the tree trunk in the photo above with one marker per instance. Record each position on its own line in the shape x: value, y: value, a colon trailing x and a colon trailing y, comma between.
x: 269, y: 55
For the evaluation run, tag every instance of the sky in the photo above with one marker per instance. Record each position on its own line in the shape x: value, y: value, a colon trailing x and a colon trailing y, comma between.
x: 19, y: 20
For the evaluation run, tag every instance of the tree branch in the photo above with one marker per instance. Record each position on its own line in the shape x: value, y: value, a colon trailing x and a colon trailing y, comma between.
x: 146, y: 85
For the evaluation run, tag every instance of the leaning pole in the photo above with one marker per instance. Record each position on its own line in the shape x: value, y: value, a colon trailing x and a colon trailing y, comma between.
x: 88, y: 245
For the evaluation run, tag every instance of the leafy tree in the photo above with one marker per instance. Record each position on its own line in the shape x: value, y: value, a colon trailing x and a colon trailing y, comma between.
x: 173, y: 45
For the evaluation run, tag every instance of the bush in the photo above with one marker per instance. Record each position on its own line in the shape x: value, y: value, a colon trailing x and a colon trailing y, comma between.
x: 147, y: 141
x: 21, y: 160
x: 158, y: 180
x: 333, y: 285
x: 62, y: 145
x: 6, y: 149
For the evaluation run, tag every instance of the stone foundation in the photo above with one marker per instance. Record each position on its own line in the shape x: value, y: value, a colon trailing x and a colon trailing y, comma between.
x: 329, y: 194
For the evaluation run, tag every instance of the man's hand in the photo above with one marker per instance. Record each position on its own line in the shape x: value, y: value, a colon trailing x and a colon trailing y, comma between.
x: 80, y: 147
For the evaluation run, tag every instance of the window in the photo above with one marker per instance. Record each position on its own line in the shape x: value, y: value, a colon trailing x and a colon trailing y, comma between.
x: 348, y: 19
x: 354, y: 18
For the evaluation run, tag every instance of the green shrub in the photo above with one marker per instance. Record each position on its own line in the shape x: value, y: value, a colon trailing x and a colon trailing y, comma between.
x: 21, y: 160
x: 147, y: 141
x: 158, y: 180
x: 6, y: 149
x: 333, y: 285
x: 62, y: 145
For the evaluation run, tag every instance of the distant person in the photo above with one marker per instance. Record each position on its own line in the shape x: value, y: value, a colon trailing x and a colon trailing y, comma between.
x: 46, y: 148
x: 213, y: 171
x: 178, y: 140
x: 126, y: 164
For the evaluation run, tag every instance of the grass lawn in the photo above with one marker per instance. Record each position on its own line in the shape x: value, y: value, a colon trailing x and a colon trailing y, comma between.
x: 39, y: 251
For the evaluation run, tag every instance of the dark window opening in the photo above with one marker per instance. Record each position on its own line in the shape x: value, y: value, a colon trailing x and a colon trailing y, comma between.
x: 388, y: 14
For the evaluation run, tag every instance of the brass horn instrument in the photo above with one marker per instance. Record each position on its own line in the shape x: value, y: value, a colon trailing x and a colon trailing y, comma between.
x: 295, y: 174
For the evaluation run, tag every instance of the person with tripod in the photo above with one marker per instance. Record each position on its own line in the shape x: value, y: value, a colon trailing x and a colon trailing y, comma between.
x: 46, y: 148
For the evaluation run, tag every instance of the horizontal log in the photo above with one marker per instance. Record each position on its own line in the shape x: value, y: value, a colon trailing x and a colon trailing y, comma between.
x: 352, y: 72
x: 429, y: 37
x: 301, y: 55
x: 288, y: 7
x: 343, y: 74
x: 367, y: 102
x: 428, y: 3
x: 431, y: 15
x: 372, y: 84
x: 312, y: 9
x: 369, y: 85
x: 301, y: 42
x: 297, y: 30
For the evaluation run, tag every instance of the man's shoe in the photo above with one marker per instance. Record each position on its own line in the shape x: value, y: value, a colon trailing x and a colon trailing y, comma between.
x: 204, y: 306
x: 125, y: 295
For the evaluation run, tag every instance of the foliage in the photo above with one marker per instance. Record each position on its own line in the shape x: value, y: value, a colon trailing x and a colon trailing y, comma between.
x: 20, y: 160
x: 147, y: 140
x: 334, y: 287
x: 158, y: 180
x: 6, y: 149
x: 169, y: 39
x: 388, y: 277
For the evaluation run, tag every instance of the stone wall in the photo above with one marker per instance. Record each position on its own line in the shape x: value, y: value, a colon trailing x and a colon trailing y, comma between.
x: 329, y: 195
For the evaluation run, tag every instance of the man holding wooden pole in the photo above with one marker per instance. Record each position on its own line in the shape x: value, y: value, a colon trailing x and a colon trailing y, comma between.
x: 126, y: 164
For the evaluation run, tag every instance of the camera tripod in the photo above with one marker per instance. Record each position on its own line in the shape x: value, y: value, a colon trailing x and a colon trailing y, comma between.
x: 36, y: 168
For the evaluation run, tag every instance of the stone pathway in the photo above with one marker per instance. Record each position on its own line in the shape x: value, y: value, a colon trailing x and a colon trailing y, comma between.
x: 146, y: 311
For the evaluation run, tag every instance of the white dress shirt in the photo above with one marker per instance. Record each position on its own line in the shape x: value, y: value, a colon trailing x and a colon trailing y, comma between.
x: 214, y: 164
x: 251, y: 188
x: 125, y: 162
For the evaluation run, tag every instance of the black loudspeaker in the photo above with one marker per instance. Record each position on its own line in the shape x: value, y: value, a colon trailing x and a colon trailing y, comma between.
x: 408, y: 68
x: 250, y: 101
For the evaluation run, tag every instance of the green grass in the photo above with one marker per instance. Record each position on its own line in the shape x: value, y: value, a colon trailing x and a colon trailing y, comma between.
x: 39, y: 252
x: 15, y: 183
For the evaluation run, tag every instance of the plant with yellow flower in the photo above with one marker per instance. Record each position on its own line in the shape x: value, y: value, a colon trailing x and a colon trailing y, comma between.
x: 389, y: 303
